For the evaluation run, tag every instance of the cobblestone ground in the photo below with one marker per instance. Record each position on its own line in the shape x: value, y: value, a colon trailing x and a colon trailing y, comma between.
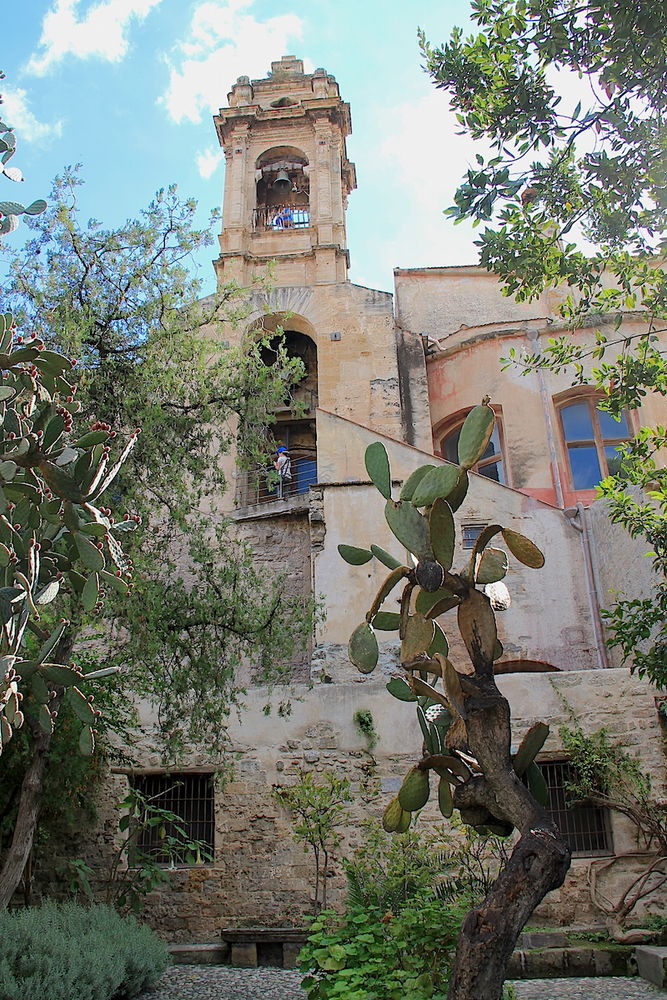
x: 200, y: 982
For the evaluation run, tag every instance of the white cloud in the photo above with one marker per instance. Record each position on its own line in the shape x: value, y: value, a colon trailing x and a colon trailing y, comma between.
x: 208, y: 162
x: 15, y: 112
x: 100, y: 32
x: 428, y: 160
x: 224, y: 42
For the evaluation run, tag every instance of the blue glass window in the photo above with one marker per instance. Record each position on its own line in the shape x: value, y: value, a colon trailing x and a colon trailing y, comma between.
x: 592, y: 438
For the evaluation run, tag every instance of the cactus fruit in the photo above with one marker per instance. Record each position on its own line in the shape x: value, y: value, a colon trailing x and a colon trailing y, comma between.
x: 413, y: 481
x: 530, y: 746
x: 392, y: 816
x: 391, y: 562
x: 492, y: 566
x: 447, y: 719
x: 439, y: 482
x: 414, y: 791
x: 523, y: 549
x: 429, y: 575
x: 399, y: 689
x: 386, y: 621
x: 445, y: 802
x: 443, y: 533
x: 418, y: 637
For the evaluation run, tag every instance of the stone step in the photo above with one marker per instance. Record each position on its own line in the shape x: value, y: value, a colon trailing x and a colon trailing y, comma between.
x: 652, y: 963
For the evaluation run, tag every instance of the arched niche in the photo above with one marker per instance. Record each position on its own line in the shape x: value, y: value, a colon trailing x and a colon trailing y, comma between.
x: 295, y: 425
x: 282, y: 190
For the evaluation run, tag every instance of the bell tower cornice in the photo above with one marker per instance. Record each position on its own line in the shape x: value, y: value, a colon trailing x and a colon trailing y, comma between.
x: 287, y: 177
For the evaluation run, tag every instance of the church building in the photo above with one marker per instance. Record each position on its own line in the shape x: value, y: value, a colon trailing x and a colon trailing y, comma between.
x: 403, y: 369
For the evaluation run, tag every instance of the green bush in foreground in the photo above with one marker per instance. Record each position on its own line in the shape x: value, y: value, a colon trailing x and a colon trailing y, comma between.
x: 370, y: 955
x: 71, y: 952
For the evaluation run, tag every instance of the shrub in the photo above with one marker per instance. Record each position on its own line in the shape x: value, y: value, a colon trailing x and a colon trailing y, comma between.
x: 71, y: 952
x: 368, y: 954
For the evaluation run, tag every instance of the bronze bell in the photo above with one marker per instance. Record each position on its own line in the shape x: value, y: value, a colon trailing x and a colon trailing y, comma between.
x: 282, y: 183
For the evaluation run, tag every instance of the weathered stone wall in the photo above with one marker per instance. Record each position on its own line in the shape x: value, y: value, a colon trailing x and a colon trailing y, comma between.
x: 260, y: 877
x: 281, y: 545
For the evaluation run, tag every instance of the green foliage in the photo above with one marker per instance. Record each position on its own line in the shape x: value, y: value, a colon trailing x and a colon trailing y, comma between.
x: 369, y: 953
x: 386, y: 871
x: 136, y: 870
x: 471, y: 863
x: 317, y: 804
x: 70, y: 952
x: 557, y: 174
x: 151, y: 353
x: 363, y: 720
x: 606, y: 774
x: 50, y: 484
x: 71, y: 783
x: 10, y: 211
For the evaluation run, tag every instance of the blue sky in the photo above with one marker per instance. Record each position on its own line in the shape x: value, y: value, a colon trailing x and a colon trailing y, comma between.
x: 128, y: 88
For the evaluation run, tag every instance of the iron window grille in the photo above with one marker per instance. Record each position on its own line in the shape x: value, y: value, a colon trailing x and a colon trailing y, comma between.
x: 585, y: 827
x: 470, y: 534
x: 190, y: 797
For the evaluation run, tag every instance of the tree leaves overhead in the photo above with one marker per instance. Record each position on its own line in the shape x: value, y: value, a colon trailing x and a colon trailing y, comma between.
x: 560, y: 171
x: 122, y: 303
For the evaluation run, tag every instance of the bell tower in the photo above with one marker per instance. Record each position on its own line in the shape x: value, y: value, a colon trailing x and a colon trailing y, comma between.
x: 287, y: 178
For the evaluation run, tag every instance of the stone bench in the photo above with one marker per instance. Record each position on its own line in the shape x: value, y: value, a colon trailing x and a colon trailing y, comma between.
x: 253, y: 946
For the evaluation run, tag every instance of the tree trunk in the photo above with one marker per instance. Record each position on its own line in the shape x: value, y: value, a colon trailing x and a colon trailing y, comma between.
x: 30, y: 798
x: 539, y: 862
x: 26, y: 819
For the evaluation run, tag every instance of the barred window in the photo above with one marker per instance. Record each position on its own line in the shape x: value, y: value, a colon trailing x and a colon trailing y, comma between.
x: 189, y: 796
x: 470, y: 534
x: 585, y: 827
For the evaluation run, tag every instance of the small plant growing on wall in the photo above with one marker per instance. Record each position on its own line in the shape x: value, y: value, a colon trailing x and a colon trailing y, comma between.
x: 140, y: 863
x: 464, y: 719
x: 317, y: 806
x: 606, y: 775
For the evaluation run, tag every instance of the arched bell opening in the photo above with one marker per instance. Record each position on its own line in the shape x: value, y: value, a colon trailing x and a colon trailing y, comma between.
x: 282, y: 190
x: 295, y: 424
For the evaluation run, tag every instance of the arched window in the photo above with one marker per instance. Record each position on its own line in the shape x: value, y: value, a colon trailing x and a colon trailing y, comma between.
x: 492, y: 463
x: 591, y: 438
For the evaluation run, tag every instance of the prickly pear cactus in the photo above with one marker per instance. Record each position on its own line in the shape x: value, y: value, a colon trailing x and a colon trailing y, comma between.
x: 422, y: 521
x: 55, y: 538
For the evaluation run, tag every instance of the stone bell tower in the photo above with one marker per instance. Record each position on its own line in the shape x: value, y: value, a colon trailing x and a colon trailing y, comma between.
x: 287, y: 178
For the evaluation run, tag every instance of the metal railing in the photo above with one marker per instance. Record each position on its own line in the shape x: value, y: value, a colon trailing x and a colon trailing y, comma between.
x: 260, y: 486
x: 279, y: 217
x: 300, y: 401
